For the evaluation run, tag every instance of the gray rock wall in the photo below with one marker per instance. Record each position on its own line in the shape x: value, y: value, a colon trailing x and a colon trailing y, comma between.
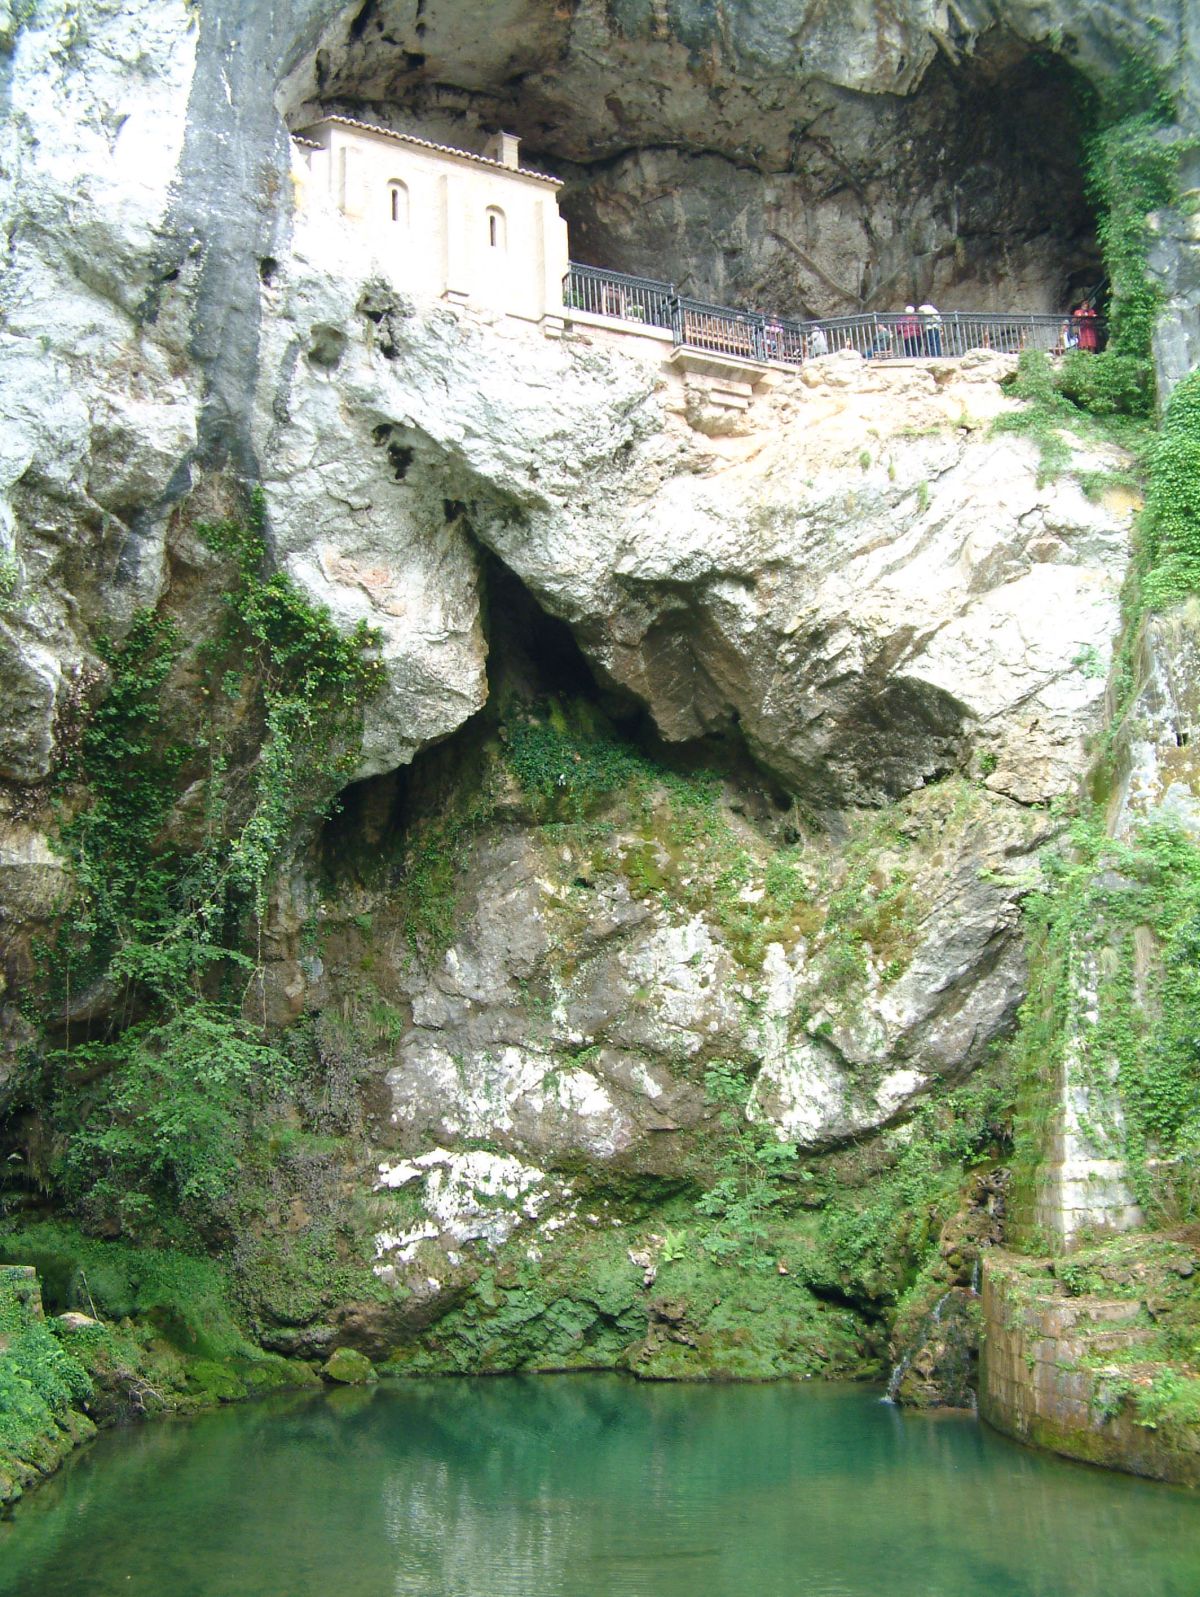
x: 861, y: 587
x: 780, y: 154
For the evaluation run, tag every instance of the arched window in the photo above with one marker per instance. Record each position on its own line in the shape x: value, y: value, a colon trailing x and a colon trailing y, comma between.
x: 497, y: 232
x: 398, y: 201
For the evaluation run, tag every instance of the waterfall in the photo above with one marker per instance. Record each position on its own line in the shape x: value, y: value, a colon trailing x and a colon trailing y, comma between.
x: 899, y: 1371
x: 901, y: 1368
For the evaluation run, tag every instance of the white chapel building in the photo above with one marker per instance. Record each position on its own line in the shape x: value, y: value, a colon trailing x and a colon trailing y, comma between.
x: 477, y: 230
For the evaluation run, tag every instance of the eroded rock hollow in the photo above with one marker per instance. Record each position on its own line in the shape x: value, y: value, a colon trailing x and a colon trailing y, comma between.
x: 808, y: 167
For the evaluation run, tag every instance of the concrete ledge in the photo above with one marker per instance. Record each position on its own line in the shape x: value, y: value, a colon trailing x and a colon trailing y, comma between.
x: 617, y: 324
x: 711, y: 363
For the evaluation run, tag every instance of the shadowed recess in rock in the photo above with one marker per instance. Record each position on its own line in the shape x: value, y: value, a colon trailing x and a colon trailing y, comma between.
x: 837, y: 176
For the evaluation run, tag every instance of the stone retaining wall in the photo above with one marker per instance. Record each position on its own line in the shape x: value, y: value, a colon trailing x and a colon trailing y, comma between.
x: 1035, y: 1385
x: 40, y: 1428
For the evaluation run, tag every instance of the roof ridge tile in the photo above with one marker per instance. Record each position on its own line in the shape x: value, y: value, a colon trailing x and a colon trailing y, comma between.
x: 429, y: 144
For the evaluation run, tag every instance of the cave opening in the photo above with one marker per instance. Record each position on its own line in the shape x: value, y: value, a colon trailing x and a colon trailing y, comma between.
x: 536, y: 669
x: 970, y: 193
x: 787, y: 193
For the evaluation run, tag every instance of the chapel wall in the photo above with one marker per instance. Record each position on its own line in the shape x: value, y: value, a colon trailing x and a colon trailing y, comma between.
x: 444, y: 224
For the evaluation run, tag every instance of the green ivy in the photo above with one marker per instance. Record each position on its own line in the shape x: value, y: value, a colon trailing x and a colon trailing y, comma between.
x: 1170, y: 526
x: 747, y: 1172
x: 873, y: 1237
x: 150, y: 1106
x: 1100, y: 897
x: 312, y: 681
x: 1132, y: 169
x: 568, y: 771
x: 1172, y: 1398
x: 40, y: 1384
x: 1100, y: 397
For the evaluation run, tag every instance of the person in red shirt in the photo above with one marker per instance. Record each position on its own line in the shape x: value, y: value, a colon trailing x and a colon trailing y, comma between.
x: 909, y: 328
x: 1087, y: 327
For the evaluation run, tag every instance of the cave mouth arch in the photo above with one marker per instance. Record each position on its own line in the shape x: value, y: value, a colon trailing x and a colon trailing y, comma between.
x: 536, y: 669
x: 743, y: 181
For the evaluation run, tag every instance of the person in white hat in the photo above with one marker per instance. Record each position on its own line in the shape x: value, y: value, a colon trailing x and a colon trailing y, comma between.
x: 931, y: 323
x: 910, y: 332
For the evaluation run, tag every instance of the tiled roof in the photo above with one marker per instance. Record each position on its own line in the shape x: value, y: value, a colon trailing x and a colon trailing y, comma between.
x: 428, y: 144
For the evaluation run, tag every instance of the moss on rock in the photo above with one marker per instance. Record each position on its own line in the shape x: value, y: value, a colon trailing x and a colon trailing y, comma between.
x: 160, y: 1335
x: 345, y: 1367
x: 42, y: 1387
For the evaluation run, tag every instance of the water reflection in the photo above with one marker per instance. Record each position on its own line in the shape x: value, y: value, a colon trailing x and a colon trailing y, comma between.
x: 590, y: 1486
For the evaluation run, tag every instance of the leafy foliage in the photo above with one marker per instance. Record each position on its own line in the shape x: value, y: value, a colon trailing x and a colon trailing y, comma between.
x: 149, y: 1111
x: 568, y: 772
x: 1171, y: 524
x: 39, y: 1380
x: 10, y: 582
x: 1132, y: 170
x: 1105, y: 384
x: 858, y: 1224
x: 1100, y: 897
x: 185, y: 1297
x: 161, y: 1109
x: 747, y: 1172
x: 873, y: 1235
x: 1091, y: 396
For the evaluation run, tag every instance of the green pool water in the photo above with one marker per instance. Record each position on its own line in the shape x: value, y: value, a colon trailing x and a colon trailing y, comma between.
x: 590, y: 1486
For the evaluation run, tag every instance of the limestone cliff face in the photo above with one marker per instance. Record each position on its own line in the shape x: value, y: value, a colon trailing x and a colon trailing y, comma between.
x: 144, y: 328
x: 859, y: 589
x: 147, y: 198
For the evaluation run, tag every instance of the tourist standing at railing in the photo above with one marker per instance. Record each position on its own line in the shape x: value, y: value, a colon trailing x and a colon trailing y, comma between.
x: 881, y: 344
x: 910, y: 332
x: 1087, y: 328
x: 818, y: 344
x: 931, y: 323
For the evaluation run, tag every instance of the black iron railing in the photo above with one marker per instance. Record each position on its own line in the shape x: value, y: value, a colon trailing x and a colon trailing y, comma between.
x: 614, y: 294
x: 718, y: 330
x: 752, y: 336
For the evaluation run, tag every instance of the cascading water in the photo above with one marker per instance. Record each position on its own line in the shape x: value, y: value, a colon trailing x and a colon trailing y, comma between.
x: 899, y: 1371
x: 904, y: 1364
x: 937, y: 1361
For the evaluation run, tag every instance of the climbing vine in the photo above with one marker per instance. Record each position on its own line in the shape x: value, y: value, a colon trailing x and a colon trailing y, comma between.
x: 1171, y: 523
x: 749, y: 1164
x: 149, y: 1103
x: 1129, y: 1016
x: 1131, y: 170
x: 1115, y: 934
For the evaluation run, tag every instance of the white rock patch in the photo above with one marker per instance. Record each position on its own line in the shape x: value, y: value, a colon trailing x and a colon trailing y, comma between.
x: 470, y: 1197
